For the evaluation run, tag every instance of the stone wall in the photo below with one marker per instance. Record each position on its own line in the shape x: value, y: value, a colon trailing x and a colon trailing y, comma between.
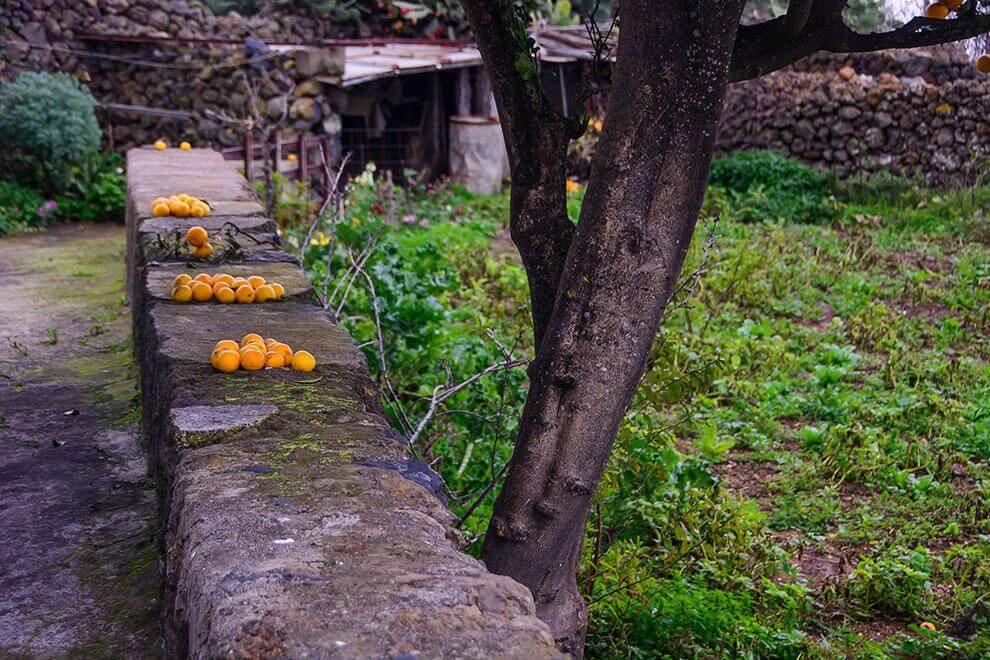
x: 855, y: 123
x: 295, y: 522
x: 212, y: 83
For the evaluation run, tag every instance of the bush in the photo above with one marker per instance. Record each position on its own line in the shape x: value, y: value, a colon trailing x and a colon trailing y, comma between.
x: 20, y: 208
x: 762, y: 185
x: 47, y: 125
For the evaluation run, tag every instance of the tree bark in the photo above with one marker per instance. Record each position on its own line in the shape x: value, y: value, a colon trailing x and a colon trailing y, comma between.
x: 536, y: 137
x: 644, y: 195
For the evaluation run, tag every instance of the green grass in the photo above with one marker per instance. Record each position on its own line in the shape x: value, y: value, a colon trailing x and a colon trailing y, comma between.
x: 804, y: 470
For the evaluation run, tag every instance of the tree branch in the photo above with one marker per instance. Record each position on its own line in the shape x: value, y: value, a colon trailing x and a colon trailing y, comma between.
x: 919, y: 31
x: 757, y: 52
x: 536, y: 137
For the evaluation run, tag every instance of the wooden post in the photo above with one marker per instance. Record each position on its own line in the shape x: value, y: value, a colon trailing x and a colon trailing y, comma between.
x: 248, y: 154
x: 563, y: 90
x: 302, y: 174
x: 437, y: 125
x: 464, y: 92
x: 483, y: 94
x: 276, y: 151
x: 327, y: 162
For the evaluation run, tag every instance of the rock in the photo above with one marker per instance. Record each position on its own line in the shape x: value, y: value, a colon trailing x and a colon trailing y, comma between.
x: 847, y: 73
x: 158, y: 19
x: 944, y: 137
x: 849, y: 112
x: 308, y: 88
x: 34, y: 33
x: 305, y: 108
x: 276, y: 107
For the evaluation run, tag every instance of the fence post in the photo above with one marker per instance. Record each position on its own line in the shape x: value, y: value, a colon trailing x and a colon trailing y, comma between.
x: 248, y: 154
x: 277, y: 151
x: 327, y: 162
x: 302, y: 158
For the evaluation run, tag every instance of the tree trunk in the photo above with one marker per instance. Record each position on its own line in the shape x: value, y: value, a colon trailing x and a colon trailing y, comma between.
x: 646, y: 188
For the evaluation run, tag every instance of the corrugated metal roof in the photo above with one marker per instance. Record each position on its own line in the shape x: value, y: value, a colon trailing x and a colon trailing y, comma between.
x: 558, y: 45
x: 366, y: 63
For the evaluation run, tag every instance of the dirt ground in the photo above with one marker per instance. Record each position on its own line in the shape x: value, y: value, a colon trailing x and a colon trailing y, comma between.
x: 78, y: 557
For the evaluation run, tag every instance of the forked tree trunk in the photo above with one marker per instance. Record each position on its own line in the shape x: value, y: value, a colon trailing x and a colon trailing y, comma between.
x: 644, y: 195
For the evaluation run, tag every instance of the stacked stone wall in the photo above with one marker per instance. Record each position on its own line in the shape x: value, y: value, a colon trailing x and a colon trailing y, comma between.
x: 856, y: 123
x: 295, y: 521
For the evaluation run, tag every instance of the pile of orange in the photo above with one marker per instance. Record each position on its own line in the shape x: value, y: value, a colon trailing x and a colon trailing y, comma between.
x: 225, y: 288
x: 254, y: 353
x: 181, y: 206
x: 942, y: 8
x: 199, y: 242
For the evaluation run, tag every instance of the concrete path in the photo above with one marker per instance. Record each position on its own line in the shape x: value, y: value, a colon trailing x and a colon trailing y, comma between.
x: 78, y: 559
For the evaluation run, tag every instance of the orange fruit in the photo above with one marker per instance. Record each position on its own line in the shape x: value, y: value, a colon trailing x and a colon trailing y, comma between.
x: 264, y: 293
x: 269, y: 341
x: 252, y: 337
x: 183, y: 197
x: 274, y: 360
x: 239, y: 281
x: 244, y: 294
x: 228, y: 343
x: 282, y: 349
x: 225, y: 294
x: 224, y: 277
x: 927, y: 625
x: 216, y: 353
x: 218, y: 285
x: 252, y: 358
x: 180, y: 280
x: 228, y: 362
x: 185, y: 146
x: 201, y: 291
x: 198, y: 210
x: 291, y: 158
x: 983, y: 64
x: 303, y: 361
x: 256, y: 281
x: 196, y: 236
x: 204, y: 252
x: 937, y: 10
x: 160, y: 210
x: 182, y: 293
x: 160, y: 145
x: 159, y: 200
x: 179, y: 208
x: 204, y: 277
x: 278, y: 288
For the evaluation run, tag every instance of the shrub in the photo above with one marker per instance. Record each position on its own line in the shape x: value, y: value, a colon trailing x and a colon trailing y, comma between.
x: 47, y: 125
x: 762, y: 185
x: 20, y: 208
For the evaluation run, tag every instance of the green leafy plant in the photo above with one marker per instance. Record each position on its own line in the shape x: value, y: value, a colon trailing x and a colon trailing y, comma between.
x: 896, y: 580
x: 21, y: 208
x: 762, y: 185
x: 47, y: 125
x: 96, y: 191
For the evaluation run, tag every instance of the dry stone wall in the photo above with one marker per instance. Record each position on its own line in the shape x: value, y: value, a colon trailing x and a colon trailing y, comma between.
x: 217, y: 85
x: 296, y: 524
x: 858, y: 123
